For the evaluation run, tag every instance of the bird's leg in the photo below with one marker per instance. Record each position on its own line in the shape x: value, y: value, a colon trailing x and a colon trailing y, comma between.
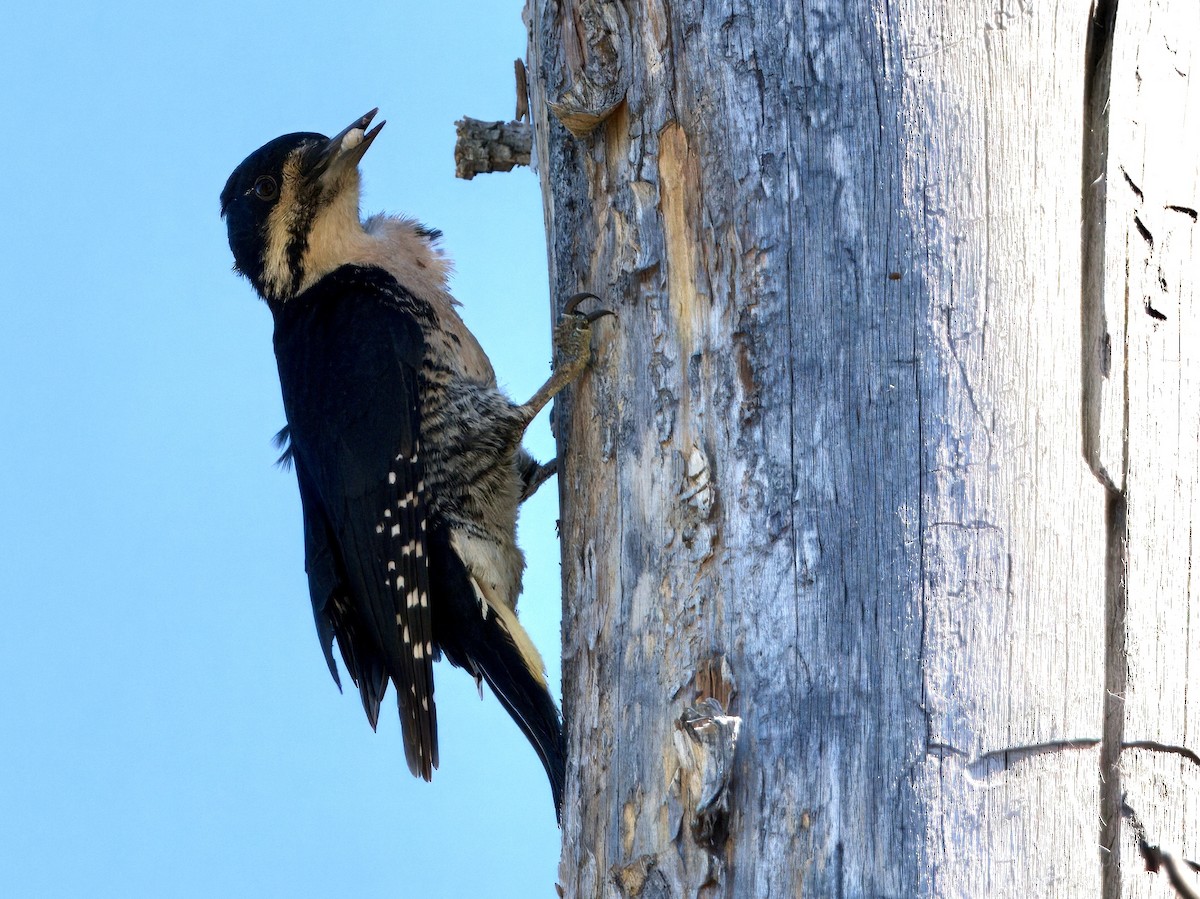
x: 535, y: 474
x: 572, y: 350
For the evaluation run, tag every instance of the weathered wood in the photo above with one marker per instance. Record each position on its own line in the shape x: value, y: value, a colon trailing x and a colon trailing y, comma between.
x: 522, y: 111
x: 1179, y: 872
x: 1150, y: 414
x: 490, y: 147
x: 830, y: 468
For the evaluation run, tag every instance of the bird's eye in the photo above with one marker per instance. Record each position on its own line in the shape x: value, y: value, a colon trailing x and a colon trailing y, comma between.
x: 265, y: 188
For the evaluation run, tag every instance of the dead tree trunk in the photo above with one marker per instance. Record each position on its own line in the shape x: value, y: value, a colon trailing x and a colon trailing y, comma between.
x: 857, y: 462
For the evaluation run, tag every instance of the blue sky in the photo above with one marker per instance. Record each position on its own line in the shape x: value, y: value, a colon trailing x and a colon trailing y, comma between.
x: 169, y: 728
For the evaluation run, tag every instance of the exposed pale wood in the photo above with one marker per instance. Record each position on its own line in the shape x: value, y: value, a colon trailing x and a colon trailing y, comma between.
x: 831, y: 465
x: 1152, y: 248
x: 1162, y: 790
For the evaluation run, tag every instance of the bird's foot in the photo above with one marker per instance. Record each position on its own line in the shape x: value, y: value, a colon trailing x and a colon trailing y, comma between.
x: 535, y: 476
x: 573, y: 338
x: 572, y: 352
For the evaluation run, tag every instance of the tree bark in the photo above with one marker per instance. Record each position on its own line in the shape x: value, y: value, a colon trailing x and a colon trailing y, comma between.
x: 483, y: 147
x: 846, y: 566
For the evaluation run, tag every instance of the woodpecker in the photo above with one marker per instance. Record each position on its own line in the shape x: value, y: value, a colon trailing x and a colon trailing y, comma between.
x: 407, y: 454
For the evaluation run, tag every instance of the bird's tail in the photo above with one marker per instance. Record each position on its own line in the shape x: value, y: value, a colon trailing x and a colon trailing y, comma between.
x: 504, y: 662
x: 487, y: 640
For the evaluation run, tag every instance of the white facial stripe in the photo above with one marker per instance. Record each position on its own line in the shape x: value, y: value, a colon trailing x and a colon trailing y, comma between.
x: 330, y: 231
x: 281, y: 227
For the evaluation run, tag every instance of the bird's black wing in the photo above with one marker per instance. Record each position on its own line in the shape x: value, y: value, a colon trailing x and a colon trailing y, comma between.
x: 350, y: 351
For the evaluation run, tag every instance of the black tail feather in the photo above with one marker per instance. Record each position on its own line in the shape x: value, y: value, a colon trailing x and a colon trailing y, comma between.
x: 529, y: 703
x: 481, y: 644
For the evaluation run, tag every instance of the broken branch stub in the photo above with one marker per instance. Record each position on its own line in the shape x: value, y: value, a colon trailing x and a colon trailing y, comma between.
x: 490, y: 146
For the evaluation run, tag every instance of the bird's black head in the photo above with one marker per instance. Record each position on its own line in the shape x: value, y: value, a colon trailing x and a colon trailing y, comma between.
x: 290, y: 199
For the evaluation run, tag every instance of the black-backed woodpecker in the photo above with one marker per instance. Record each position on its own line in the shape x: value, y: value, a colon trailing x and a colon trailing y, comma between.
x: 407, y: 454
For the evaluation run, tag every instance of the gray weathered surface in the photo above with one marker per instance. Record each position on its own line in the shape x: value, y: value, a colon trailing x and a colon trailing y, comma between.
x: 489, y: 147
x: 1150, y: 424
x: 829, y: 468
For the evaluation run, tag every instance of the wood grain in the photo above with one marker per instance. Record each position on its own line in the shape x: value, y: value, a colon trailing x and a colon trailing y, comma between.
x: 1152, y: 254
x: 837, y: 465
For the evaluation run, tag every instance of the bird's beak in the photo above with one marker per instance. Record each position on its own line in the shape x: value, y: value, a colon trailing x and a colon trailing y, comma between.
x: 347, y: 147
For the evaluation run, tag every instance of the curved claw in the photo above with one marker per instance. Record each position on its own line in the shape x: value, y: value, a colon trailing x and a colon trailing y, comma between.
x: 574, y: 301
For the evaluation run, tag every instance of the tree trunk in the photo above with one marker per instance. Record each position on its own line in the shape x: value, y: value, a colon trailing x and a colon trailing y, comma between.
x: 862, y: 506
